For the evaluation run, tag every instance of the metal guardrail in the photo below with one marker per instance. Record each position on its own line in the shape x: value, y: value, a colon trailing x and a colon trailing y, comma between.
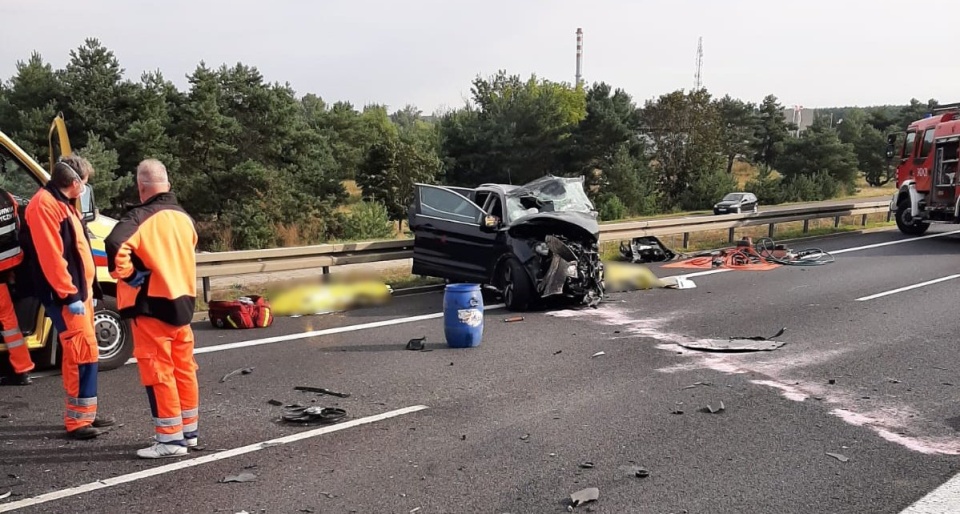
x: 225, y: 264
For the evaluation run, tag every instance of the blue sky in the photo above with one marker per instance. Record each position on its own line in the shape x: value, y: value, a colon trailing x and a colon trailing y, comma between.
x: 815, y: 53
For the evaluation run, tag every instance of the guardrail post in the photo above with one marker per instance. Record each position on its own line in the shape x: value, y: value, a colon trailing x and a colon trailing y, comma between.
x: 863, y: 220
x: 686, y: 240
x: 326, y: 270
x: 806, y: 226
x: 771, y: 230
x: 836, y: 222
x: 730, y: 238
x: 206, y: 289
x: 889, y: 215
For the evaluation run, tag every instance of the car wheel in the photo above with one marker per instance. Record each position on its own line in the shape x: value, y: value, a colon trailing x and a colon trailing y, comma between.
x: 515, y: 286
x: 114, y: 336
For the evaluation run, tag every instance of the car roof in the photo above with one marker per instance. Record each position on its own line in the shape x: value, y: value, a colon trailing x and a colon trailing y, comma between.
x: 506, y: 188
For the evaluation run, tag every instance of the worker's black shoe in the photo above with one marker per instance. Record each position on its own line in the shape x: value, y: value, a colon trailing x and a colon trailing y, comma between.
x: 17, y: 379
x: 87, y: 432
x: 105, y: 421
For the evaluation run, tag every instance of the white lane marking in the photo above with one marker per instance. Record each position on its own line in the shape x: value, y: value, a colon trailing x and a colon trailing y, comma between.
x: 324, y: 332
x: 294, y: 337
x: 189, y: 463
x: 898, y: 241
x: 907, y: 288
x: 942, y: 499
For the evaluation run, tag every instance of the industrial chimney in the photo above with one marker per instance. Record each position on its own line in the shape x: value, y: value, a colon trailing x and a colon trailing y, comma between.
x: 579, y: 55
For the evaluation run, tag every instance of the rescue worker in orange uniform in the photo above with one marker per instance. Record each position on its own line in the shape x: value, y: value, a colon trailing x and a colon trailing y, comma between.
x: 11, y: 255
x: 65, y: 278
x: 152, y: 254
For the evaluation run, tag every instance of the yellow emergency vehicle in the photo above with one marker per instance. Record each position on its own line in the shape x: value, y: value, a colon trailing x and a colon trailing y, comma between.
x: 22, y: 176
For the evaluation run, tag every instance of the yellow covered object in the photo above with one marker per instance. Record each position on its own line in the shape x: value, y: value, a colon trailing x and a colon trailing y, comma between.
x: 323, y: 298
x: 618, y: 276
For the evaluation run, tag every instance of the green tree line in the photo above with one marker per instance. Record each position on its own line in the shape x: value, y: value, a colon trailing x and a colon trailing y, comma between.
x: 259, y: 166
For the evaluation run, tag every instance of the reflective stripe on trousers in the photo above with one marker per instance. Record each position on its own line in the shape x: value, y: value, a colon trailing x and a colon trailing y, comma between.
x: 17, y: 350
x: 80, y: 367
x: 167, y: 368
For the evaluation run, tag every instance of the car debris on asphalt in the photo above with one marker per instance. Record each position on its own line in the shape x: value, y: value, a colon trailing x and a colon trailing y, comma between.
x: 416, y: 344
x: 242, y: 477
x: 737, y: 344
x: 646, y: 249
x: 711, y: 410
x: 838, y: 456
x: 312, y: 415
x: 321, y: 390
x: 590, y: 494
x: 241, y: 371
x: 5, y: 495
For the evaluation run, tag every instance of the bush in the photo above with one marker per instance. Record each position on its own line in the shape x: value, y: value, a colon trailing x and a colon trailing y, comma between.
x: 706, y: 189
x: 367, y: 220
x: 612, y: 208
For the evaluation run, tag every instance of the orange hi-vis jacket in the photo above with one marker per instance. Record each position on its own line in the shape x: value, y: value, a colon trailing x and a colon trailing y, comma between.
x: 58, y: 242
x: 159, y: 237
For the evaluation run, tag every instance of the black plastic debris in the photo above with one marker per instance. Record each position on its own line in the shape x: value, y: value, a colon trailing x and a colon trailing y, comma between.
x: 312, y: 415
x: 737, y: 344
x: 275, y: 403
x: 587, y: 495
x: 321, y: 390
x: 241, y: 371
x: 416, y: 344
x: 646, y: 249
x: 242, y: 477
x: 587, y: 465
x: 839, y: 457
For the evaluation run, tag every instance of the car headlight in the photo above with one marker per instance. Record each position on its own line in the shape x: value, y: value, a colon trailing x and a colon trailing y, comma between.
x: 542, y: 249
x: 572, y: 270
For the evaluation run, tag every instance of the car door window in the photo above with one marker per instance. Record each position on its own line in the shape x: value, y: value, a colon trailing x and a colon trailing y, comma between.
x: 16, y: 178
x: 436, y: 202
x: 494, y: 206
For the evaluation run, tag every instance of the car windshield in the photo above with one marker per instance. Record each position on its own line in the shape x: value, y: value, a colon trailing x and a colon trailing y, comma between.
x: 548, y: 194
x: 732, y: 197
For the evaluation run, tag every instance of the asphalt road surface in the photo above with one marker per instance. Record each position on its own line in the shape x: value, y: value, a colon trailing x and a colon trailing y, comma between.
x: 868, y: 372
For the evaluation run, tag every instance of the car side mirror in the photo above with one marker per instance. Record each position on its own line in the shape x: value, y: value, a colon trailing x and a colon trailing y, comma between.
x: 88, y: 209
x: 490, y: 223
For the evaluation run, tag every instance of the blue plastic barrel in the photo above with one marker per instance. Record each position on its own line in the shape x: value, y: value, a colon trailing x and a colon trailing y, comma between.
x: 462, y: 315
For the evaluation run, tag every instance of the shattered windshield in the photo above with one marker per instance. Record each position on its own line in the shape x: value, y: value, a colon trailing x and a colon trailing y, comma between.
x: 548, y: 194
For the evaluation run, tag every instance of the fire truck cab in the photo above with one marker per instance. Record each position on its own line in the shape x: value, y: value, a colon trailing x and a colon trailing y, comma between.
x: 927, y: 184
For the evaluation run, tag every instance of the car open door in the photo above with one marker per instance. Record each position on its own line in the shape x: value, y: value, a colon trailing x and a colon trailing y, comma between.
x: 450, y: 238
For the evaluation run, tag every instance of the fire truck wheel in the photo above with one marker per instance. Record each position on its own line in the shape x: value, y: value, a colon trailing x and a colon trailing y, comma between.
x: 906, y: 223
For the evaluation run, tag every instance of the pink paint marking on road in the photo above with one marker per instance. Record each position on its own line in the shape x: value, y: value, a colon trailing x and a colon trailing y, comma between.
x: 926, y: 445
x: 891, y: 421
x: 789, y: 392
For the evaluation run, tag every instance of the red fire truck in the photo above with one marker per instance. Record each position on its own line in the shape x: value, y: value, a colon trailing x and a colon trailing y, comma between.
x: 927, y: 187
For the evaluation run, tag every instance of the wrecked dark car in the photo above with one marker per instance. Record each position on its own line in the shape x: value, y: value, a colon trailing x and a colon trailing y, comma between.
x: 530, y: 242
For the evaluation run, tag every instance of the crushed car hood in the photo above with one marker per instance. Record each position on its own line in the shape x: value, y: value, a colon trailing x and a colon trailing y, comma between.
x: 576, y: 224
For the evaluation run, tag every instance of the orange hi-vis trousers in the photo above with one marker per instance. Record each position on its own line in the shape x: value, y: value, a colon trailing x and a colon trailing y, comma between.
x: 168, y: 371
x: 17, y: 349
x: 79, y: 369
